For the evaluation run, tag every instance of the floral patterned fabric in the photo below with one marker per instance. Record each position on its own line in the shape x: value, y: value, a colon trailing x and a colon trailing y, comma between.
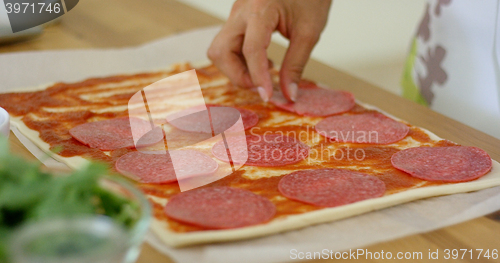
x: 453, y: 64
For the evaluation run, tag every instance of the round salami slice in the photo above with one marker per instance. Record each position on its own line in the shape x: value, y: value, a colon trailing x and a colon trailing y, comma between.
x: 446, y: 164
x: 262, y: 150
x: 223, y: 118
x: 314, y: 101
x: 116, y: 133
x: 248, y: 117
x: 372, y: 128
x: 158, y: 168
x: 330, y: 187
x: 220, y: 208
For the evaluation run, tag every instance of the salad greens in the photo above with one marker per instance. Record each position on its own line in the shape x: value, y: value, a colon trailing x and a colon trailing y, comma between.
x: 29, y: 194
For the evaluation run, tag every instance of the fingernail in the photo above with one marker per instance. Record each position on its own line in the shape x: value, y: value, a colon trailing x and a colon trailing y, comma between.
x: 292, y: 91
x: 263, y: 94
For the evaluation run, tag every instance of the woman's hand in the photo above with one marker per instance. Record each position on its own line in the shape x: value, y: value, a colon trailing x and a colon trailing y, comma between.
x: 239, y: 50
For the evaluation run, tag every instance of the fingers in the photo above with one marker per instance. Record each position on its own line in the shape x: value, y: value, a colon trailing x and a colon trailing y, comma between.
x: 257, y: 39
x: 239, y: 50
x: 225, y: 53
x: 296, y: 57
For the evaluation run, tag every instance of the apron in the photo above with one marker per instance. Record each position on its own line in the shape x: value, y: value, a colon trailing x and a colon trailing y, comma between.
x: 453, y: 64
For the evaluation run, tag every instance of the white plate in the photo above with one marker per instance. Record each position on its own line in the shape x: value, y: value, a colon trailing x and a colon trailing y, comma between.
x: 4, y: 122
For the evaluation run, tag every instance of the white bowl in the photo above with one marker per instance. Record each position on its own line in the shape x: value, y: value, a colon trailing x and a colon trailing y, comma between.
x: 4, y: 123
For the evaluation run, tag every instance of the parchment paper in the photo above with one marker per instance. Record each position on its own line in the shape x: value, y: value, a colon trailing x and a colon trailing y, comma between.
x: 35, y: 68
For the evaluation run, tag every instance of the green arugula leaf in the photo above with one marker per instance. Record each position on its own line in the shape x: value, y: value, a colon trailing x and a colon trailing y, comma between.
x: 29, y: 194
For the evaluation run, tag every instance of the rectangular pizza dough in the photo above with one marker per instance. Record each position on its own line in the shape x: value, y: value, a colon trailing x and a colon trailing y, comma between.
x: 290, y: 222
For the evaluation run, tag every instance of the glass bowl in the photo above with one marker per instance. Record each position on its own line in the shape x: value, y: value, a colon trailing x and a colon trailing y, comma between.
x: 137, y: 233
x: 89, y: 238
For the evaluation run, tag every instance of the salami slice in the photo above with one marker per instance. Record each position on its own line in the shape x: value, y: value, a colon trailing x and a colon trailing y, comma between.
x: 223, y: 118
x: 446, y: 164
x: 157, y: 168
x: 330, y: 187
x: 315, y: 101
x: 372, y: 128
x: 262, y: 150
x: 220, y: 208
x: 116, y: 133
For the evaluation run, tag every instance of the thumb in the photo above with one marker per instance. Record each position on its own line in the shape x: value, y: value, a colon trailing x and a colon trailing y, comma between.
x: 296, y: 57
